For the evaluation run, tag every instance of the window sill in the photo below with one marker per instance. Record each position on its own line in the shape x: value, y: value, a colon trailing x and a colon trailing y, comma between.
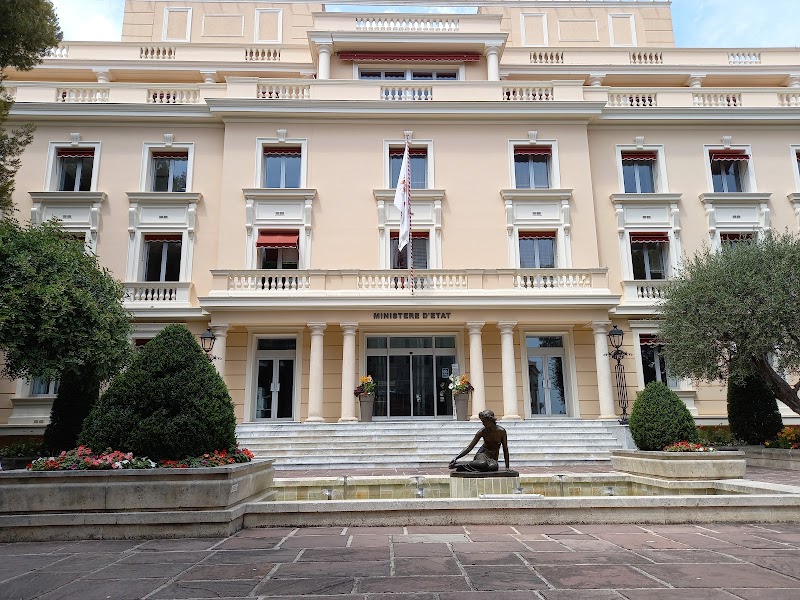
x: 656, y: 198
x: 164, y: 197
x: 537, y: 194
x: 737, y: 197
x: 68, y: 197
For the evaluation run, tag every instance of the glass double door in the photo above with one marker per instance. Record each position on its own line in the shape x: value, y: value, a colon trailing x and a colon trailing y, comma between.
x: 411, y: 374
x: 546, y: 375
x: 275, y: 376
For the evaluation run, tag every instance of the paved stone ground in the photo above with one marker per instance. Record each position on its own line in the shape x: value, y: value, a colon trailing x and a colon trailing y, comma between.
x: 582, y: 562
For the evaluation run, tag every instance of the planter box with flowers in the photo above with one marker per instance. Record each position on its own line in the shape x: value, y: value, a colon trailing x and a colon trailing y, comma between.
x: 461, y: 389
x: 365, y: 392
x: 681, y: 461
x: 81, y: 481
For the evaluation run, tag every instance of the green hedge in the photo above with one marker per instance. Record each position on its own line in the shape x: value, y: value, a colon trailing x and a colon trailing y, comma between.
x: 660, y: 418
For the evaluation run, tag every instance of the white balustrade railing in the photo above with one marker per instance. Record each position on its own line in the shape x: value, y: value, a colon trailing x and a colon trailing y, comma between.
x: 544, y: 279
x: 422, y: 24
x: 789, y: 99
x: 262, y: 54
x: 632, y: 100
x: 157, y: 52
x: 717, y: 99
x: 744, y: 57
x: 82, y: 94
x: 283, y: 91
x: 58, y: 52
x: 547, y: 57
x: 268, y: 281
x: 431, y: 281
x: 527, y: 93
x: 173, y: 96
x: 407, y: 91
x: 645, y: 291
x: 646, y: 57
x: 157, y: 292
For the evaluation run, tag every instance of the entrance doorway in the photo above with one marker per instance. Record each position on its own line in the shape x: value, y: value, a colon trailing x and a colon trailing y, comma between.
x: 546, y: 360
x: 411, y: 374
x: 275, y: 375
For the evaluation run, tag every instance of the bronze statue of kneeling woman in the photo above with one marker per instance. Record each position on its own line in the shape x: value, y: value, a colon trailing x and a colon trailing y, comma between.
x: 486, y: 458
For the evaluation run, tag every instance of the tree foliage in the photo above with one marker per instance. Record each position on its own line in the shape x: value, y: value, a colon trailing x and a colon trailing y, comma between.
x: 729, y: 313
x: 28, y: 29
x: 659, y: 418
x: 169, y: 403
x: 59, y: 309
x: 752, y: 411
x: 77, y: 393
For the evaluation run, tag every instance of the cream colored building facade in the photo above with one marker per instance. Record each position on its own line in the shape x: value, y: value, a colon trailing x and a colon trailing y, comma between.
x: 234, y: 163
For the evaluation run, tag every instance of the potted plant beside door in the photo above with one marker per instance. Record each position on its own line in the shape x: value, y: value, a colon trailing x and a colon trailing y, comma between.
x: 366, y: 397
x: 461, y: 388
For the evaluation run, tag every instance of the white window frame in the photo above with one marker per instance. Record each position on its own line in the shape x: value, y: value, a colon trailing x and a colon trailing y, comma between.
x: 251, y: 373
x: 146, y: 180
x: 411, y: 238
x: 660, y: 181
x: 536, y: 251
x: 394, y: 144
x: 530, y: 210
x: 664, y: 259
x: 170, y: 9
x: 545, y: 30
x: 794, y: 197
x: 555, y: 166
x: 570, y: 370
x: 269, y: 142
x: 278, y: 209
x: 748, y: 176
x: 259, y: 12
x: 632, y: 21
x: 426, y: 215
x: 53, y: 169
x: 460, y: 70
x: 164, y: 253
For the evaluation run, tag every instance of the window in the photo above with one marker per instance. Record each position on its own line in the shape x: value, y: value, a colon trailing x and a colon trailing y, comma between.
x: 648, y: 255
x: 654, y: 365
x: 278, y: 249
x: 537, y: 250
x: 419, y: 251
x: 44, y: 387
x: 169, y: 171
x: 282, y: 167
x: 638, y: 172
x: 418, y: 158
x: 162, y: 257
x: 532, y: 167
x: 731, y: 240
x: 408, y: 74
x: 75, y: 169
x: 727, y: 170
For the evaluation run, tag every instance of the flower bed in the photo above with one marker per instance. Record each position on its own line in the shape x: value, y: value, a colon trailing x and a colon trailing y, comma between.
x: 83, y: 458
x: 788, y: 438
x: 685, y: 446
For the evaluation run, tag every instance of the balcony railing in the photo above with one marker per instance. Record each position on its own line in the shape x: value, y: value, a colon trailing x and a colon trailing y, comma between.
x: 414, y: 24
x: 645, y: 292
x: 633, y: 99
x: 398, y: 282
x: 527, y: 93
x: 157, y: 293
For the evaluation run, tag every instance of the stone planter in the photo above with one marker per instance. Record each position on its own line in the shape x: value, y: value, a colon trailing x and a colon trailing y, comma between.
x: 461, y: 402
x: 680, y: 465
x: 133, y: 489
x: 366, y: 403
x: 14, y: 463
x: 772, y: 458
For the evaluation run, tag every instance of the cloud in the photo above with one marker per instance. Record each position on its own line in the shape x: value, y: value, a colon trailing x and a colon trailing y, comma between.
x: 90, y: 20
x: 736, y: 23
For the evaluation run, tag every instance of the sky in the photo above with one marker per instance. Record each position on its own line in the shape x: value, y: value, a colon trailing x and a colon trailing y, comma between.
x: 697, y: 23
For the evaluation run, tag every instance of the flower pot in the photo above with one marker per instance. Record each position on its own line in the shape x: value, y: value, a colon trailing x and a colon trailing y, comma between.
x: 366, y: 401
x: 461, y: 401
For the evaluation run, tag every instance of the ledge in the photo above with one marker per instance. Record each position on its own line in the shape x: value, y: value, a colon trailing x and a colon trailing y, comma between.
x: 645, y: 198
x: 164, y: 197
x: 388, y: 195
x: 735, y: 197
x: 68, y: 197
x: 680, y: 465
x: 279, y: 193
x: 537, y: 194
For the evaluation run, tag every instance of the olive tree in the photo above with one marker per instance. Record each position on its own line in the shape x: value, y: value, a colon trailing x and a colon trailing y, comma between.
x: 736, y: 312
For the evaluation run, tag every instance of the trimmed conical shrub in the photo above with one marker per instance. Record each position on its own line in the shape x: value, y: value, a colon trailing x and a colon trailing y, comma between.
x: 169, y: 404
x: 660, y: 418
x: 76, y: 395
x: 753, y: 411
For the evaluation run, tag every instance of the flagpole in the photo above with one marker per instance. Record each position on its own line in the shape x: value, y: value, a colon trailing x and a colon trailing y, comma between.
x: 408, y: 199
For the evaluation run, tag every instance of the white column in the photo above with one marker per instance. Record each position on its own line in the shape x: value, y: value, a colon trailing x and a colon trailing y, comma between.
x: 509, y: 369
x: 315, y: 374
x: 324, y: 63
x: 348, y: 373
x: 605, y: 390
x: 220, y: 345
x: 493, y: 63
x: 476, y: 368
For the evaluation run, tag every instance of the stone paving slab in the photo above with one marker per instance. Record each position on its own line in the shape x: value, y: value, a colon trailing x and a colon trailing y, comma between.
x: 456, y: 562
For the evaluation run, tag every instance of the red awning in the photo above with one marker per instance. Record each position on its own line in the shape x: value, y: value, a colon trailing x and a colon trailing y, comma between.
x: 277, y: 239
x: 643, y: 237
x: 411, y: 151
x: 532, y: 150
x: 163, y: 237
x: 74, y: 152
x: 414, y: 234
x: 409, y: 57
x: 728, y: 155
x: 639, y: 156
x: 288, y: 151
x: 649, y: 340
x: 175, y: 155
x: 537, y: 235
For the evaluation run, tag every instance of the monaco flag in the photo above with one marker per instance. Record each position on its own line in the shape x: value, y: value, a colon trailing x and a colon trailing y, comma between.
x: 402, y: 200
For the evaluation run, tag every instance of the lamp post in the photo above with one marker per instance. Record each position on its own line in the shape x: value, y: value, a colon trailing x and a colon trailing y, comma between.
x: 615, y: 337
x: 207, y: 340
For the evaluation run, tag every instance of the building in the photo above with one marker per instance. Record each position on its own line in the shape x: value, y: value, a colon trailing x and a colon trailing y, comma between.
x: 234, y: 162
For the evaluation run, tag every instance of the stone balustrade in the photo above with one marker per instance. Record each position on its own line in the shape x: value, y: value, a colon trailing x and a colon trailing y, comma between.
x: 717, y: 99
x: 644, y: 292
x: 172, y: 95
x: 632, y: 99
x: 405, y: 24
x: 407, y: 91
x: 158, y: 293
x: 527, y: 93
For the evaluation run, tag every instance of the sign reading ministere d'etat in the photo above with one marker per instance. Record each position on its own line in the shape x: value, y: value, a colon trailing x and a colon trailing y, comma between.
x: 411, y: 315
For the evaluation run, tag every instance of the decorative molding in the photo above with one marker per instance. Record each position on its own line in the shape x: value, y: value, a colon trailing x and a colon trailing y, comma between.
x: 87, y: 205
x: 727, y: 140
x: 539, y: 209
x: 169, y: 139
x: 596, y: 80
x: 209, y: 76
x: 74, y: 139
x: 532, y: 136
x: 281, y: 133
x: 639, y: 141
x: 759, y: 220
x: 695, y: 81
x: 794, y: 198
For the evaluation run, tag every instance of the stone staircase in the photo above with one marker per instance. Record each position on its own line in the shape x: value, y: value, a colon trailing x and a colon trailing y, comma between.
x: 419, y: 444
